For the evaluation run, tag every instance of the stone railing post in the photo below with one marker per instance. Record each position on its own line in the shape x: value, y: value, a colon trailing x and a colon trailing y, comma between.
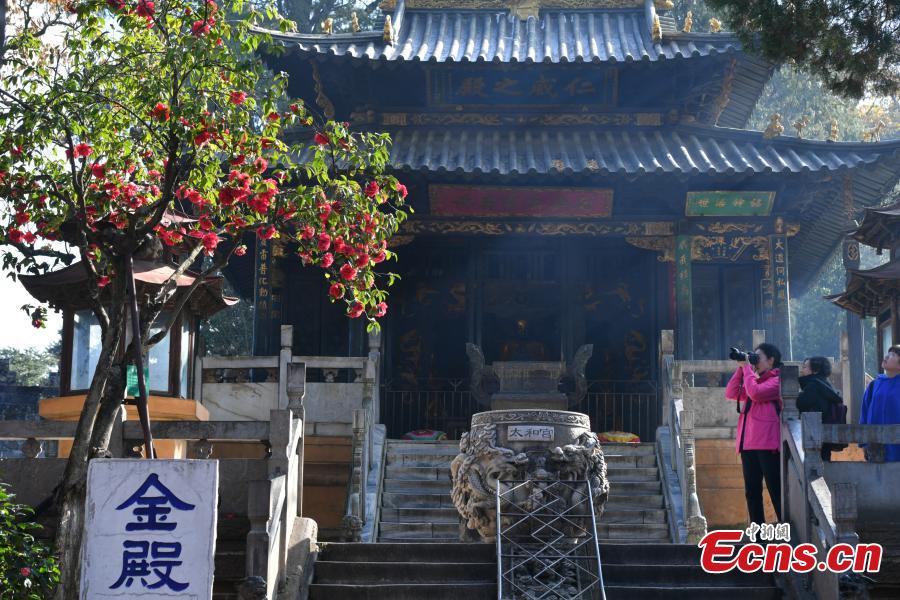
x: 258, y: 512
x: 790, y: 389
x: 355, y: 516
x: 811, y: 428
x: 283, y: 461
x: 695, y: 521
x: 284, y: 361
x: 844, y: 512
x: 296, y: 389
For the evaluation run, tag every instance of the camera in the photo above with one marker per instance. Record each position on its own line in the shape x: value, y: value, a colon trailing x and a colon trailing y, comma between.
x: 751, y: 357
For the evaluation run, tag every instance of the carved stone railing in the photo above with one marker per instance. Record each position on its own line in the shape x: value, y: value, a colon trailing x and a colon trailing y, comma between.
x: 271, y: 502
x: 681, y: 433
x: 355, y: 509
x: 825, y: 502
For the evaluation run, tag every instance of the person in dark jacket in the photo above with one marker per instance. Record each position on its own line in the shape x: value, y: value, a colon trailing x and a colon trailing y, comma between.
x: 817, y: 393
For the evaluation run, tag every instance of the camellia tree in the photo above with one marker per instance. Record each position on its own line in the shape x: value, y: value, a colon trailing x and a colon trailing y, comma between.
x: 133, y: 130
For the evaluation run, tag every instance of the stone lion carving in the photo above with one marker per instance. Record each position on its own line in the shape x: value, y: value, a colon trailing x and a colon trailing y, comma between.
x: 482, y: 467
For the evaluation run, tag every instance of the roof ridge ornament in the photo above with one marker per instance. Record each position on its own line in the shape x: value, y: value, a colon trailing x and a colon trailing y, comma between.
x: 775, y: 127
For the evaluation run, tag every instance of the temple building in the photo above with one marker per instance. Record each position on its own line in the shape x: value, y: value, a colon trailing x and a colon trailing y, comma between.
x: 580, y: 175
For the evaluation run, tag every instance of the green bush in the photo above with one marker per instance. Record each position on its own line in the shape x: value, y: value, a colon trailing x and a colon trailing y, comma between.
x: 28, y: 570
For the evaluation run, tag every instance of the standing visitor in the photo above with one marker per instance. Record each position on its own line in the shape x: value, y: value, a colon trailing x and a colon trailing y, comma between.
x: 881, y: 402
x: 756, y: 388
x: 818, y: 395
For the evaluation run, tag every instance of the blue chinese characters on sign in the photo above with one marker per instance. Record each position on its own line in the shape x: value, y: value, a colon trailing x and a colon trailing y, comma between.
x: 152, y: 561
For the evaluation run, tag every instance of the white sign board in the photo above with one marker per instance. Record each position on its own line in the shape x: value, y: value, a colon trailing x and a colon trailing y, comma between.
x: 529, y: 433
x: 150, y: 529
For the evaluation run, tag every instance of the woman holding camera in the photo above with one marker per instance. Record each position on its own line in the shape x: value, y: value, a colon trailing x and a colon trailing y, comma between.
x: 756, y: 388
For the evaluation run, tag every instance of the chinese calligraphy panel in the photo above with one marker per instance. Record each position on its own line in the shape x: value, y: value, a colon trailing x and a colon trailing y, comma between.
x: 729, y: 204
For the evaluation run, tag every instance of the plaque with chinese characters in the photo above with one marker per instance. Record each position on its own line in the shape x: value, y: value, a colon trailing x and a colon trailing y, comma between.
x: 530, y: 87
x: 150, y: 529
x: 729, y: 204
x: 529, y: 433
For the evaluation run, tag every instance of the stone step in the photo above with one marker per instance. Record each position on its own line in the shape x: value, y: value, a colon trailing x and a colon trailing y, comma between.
x: 416, y: 591
x: 449, y: 449
x: 617, y: 499
x: 681, y: 592
x: 388, y: 530
x: 645, y: 515
x: 622, y: 488
x: 379, y: 573
x: 415, y: 500
x: 621, y: 462
x: 617, y: 473
x: 642, y: 449
x: 417, y: 473
x: 654, y: 531
x: 412, y: 486
x: 622, y: 553
x: 436, y: 461
x: 419, y: 515
x: 678, y: 575
x: 415, y: 552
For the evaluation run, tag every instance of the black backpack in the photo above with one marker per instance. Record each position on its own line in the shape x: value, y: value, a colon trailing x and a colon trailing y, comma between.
x: 836, y: 415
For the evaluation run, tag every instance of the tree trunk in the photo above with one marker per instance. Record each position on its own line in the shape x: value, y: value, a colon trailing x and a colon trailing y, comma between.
x: 72, y: 492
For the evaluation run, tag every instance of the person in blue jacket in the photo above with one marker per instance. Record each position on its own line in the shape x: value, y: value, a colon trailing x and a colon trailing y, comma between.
x: 881, y: 402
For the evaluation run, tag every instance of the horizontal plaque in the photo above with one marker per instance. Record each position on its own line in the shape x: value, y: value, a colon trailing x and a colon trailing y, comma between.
x: 495, y: 201
x: 729, y: 204
x: 529, y: 433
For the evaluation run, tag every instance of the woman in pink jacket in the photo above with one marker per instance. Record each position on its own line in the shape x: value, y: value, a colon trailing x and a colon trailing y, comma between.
x: 757, y: 391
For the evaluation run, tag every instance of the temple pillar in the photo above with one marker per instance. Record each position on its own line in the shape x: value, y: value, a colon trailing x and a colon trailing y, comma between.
x: 855, y: 343
x: 684, y: 317
x: 779, y: 282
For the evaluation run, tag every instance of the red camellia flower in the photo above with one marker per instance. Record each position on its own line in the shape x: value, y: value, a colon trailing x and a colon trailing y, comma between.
x: 83, y: 150
x: 205, y: 222
x: 25, y: 571
x: 307, y: 233
x: 210, y: 241
x: 116, y: 4
x: 324, y: 242
x: 103, y: 281
x: 240, y: 250
x: 356, y: 309
x: 348, y: 272
x: 372, y: 189
x: 336, y: 291
x: 381, y: 309
x: 362, y: 260
x: 98, y: 171
x: 327, y: 259
x: 199, y: 28
x: 273, y: 116
x: 266, y: 232
x: 321, y: 139
x: 202, y: 137
x: 261, y: 164
x: 160, y: 112
x: 145, y: 8
x: 401, y: 189
x: 379, y: 257
x: 16, y: 236
x: 237, y: 98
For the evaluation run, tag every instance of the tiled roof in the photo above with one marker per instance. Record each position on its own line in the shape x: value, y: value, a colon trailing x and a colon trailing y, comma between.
x: 497, y: 36
x: 689, y: 150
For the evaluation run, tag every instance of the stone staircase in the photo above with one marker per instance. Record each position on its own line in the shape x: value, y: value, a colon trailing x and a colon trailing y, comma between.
x: 416, y: 504
x: 391, y: 571
x: 445, y: 571
x: 672, y: 572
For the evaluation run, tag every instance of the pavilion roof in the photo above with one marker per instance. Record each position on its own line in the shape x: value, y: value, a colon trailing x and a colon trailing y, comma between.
x: 880, y: 227
x: 67, y: 287
x: 868, y: 289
